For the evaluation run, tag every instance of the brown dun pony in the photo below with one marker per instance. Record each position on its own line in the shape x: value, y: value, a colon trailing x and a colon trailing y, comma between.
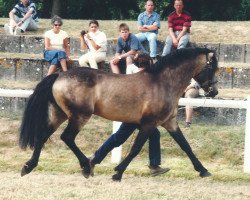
x: 149, y: 98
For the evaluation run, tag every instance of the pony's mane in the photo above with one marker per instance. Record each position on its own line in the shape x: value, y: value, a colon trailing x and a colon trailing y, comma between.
x: 175, y: 58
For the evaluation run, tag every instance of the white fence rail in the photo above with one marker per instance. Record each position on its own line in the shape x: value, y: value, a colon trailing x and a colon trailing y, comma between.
x: 116, y: 153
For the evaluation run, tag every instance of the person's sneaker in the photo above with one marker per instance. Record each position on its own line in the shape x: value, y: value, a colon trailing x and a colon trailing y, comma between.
x: 157, y: 170
x: 18, y: 31
x: 188, y: 124
x: 8, y: 30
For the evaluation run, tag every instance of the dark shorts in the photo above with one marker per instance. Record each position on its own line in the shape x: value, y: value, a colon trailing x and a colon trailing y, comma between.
x: 54, y: 56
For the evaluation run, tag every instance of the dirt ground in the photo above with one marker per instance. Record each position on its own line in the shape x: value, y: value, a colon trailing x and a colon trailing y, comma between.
x: 101, y: 187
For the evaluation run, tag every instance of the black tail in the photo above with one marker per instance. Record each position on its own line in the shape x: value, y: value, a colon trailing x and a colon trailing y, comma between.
x: 35, y: 118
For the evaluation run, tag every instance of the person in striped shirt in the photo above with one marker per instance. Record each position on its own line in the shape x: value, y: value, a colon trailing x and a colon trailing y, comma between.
x: 179, y: 23
x: 22, y: 17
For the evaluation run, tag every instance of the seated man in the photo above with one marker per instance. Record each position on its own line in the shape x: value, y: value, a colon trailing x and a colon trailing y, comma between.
x: 179, y: 23
x: 148, y: 25
x: 127, y: 47
x: 126, y: 129
x: 22, y: 17
x: 192, y: 91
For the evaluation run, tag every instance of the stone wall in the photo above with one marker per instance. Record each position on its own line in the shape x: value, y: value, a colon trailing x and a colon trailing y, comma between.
x: 35, y: 45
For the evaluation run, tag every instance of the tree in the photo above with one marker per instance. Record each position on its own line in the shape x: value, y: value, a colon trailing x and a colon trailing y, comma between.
x: 245, y: 10
x: 130, y: 9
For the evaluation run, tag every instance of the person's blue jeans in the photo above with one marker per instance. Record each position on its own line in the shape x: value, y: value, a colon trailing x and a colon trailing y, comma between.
x: 169, y: 43
x: 123, y: 133
x: 152, y: 39
x: 54, y: 56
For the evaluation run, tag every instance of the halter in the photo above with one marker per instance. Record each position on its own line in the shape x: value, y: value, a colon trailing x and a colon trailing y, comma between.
x: 208, y: 70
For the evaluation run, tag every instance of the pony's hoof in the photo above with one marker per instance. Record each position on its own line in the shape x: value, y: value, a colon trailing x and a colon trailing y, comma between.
x: 117, y: 177
x: 86, y: 173
x: 205, y: 174
x: 25, y: 170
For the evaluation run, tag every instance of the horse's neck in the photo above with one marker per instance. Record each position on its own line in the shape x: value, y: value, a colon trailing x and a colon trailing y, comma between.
x: 179, y: 78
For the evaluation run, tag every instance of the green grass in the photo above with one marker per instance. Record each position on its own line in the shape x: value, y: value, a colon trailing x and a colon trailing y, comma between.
x: 219, y: 148
x: 233, y: 32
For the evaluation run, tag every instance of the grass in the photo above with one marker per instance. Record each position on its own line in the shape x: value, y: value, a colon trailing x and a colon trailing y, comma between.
x: 219, y: 145
x: 233, y: 32
x: 58, y: 175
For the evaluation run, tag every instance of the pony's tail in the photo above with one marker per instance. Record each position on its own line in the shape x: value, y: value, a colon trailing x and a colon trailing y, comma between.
x: 34, y: 125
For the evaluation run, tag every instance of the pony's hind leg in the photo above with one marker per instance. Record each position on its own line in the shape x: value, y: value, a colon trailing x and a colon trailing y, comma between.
x: 33, y: 162
x: 57, y: 117
x: 183, y: 143
x: 69, y: 135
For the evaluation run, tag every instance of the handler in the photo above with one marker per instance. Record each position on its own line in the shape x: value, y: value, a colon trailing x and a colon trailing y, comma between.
x: 125, y: 130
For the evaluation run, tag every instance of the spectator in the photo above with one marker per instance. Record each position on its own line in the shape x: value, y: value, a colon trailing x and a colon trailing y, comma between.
x: 192, y: 91
x: 179, y: 23
x: 22, y: 17
x: 148, y: 25
x: 96, y: 43
x: 126, y: 129
x: 57, y: 49
x: 127, y: 47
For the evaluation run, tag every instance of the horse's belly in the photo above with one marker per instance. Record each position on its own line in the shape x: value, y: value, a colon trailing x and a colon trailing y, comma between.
x: 128, y: 116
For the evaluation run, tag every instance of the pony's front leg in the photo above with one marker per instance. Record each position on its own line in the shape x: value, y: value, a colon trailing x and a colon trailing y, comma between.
x: 183, y: 143
x: 68, y: 136
x: 136, y: 148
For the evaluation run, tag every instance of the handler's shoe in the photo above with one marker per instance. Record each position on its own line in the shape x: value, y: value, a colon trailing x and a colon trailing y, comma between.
x: 157, y: 170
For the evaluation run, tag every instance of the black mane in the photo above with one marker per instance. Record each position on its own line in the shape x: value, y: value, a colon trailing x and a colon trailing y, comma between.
x: 175, y: 58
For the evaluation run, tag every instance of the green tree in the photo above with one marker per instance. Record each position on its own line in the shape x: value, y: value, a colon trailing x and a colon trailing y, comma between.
x: 129, y: 9
x: 244, y: 13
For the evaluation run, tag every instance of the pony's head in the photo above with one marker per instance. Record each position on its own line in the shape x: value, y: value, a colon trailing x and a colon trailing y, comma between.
x: 206, y: 78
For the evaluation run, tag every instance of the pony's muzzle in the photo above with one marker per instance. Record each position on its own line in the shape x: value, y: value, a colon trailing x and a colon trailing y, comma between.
x: 211, y: 92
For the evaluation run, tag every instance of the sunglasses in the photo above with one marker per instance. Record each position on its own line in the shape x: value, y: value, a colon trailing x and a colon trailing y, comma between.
x: 57, y: 24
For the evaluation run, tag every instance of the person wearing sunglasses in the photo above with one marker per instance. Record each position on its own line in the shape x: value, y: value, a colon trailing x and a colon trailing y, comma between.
x: 95, y: 42
x: 57, y: 48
